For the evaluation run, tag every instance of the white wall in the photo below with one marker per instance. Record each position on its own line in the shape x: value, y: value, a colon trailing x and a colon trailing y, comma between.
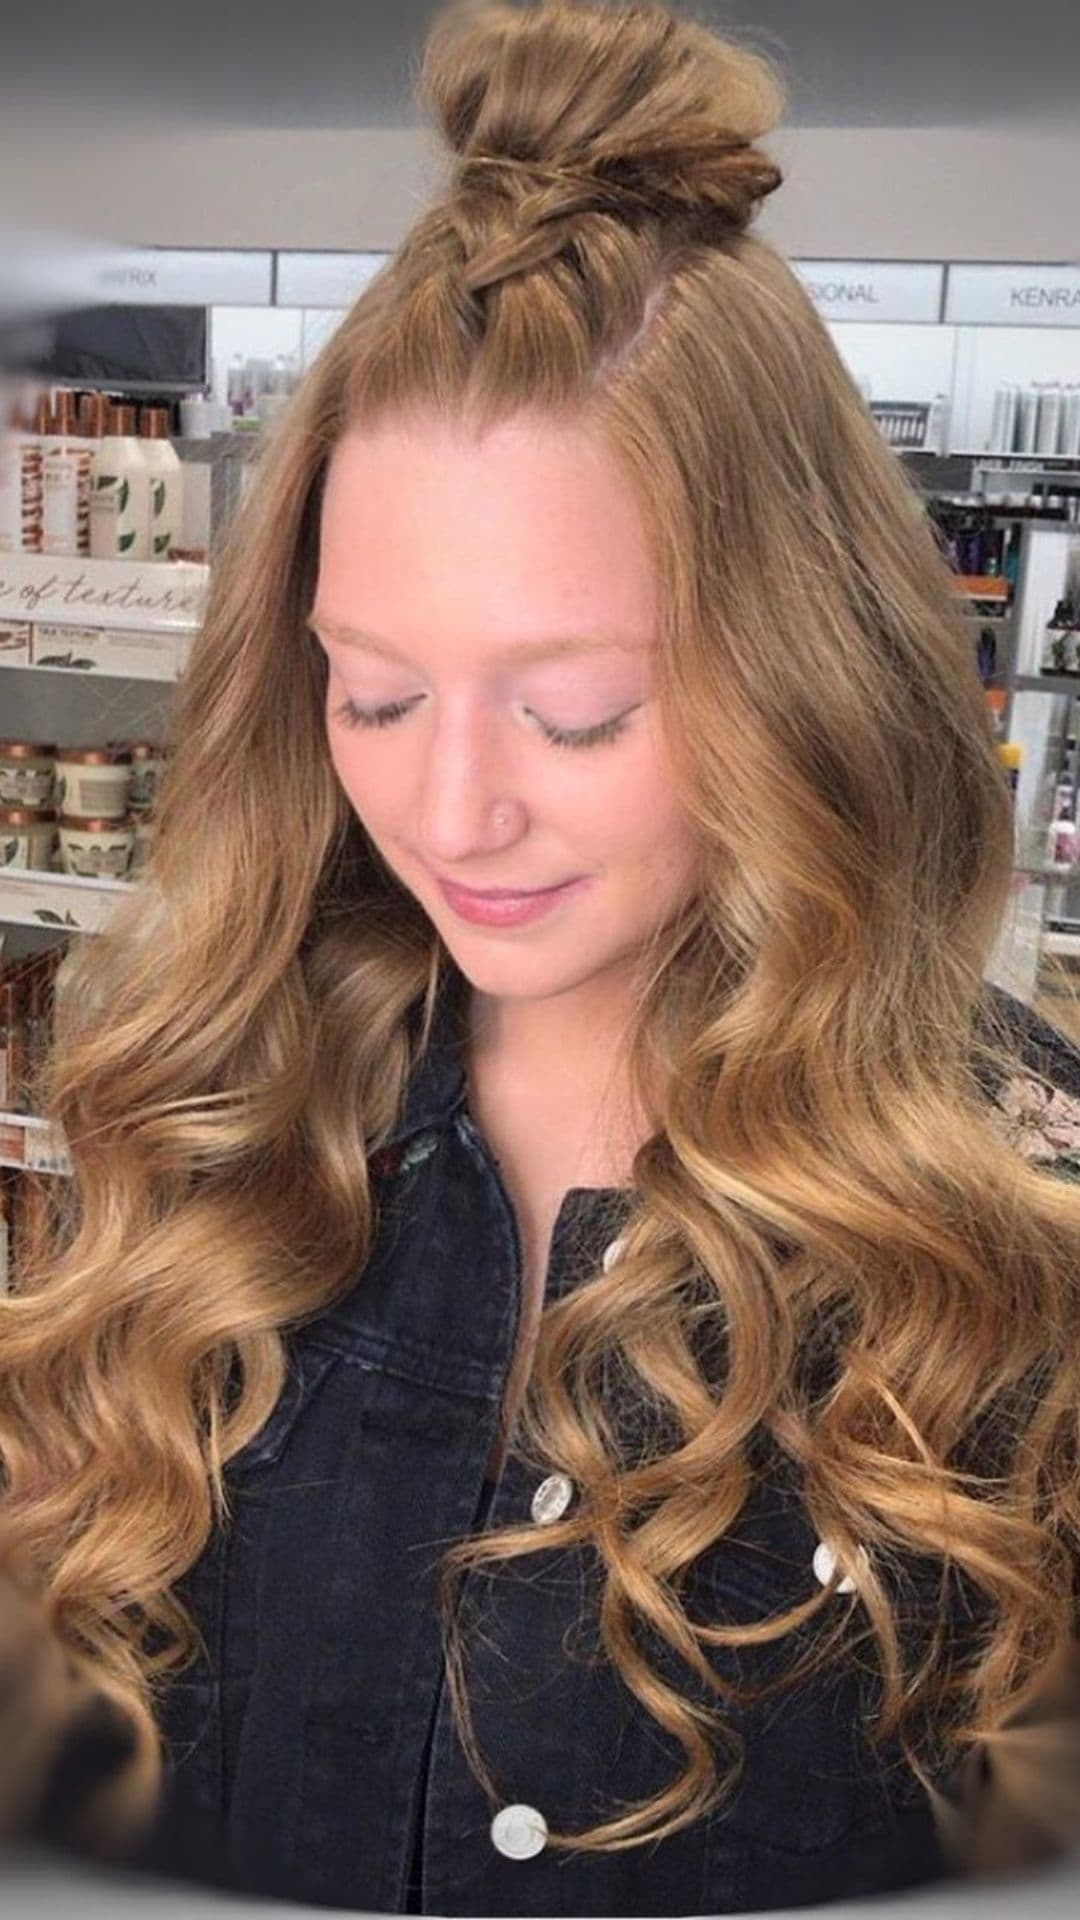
x: 999, y: 193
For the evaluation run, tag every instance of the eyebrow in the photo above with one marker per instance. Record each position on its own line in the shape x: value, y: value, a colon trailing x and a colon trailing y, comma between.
x: 533, y: 650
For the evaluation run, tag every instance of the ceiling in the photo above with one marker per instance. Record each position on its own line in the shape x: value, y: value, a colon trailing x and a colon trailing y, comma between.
x: 348, y: 63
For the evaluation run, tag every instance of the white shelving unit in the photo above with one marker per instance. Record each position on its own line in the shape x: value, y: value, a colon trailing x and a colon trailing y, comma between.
x: 65, y: 902
x: 118, y: 633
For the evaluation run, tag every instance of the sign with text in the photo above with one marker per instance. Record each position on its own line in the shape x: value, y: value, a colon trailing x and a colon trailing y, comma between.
x: 1013, y: 296
x: 164, y: 595
x: 57, y: 276
x: 881, y: 290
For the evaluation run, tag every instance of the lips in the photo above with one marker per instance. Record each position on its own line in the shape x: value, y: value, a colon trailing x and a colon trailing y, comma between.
x: 503, y: 893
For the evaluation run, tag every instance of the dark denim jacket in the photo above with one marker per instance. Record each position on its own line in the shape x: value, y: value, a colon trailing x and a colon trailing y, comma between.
x: 313, y: 1756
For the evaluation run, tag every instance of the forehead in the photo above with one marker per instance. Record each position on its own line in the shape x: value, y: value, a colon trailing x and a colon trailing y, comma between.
x: 524, y: 532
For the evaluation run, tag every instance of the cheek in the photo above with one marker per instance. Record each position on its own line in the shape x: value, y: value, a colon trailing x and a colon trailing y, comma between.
x: 654, y: 832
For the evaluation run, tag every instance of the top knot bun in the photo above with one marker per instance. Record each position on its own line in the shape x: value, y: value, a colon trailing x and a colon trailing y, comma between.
x: 633, y: 105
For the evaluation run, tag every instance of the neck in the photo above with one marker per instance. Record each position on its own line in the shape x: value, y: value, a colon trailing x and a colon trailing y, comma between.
x: 554, y: 1064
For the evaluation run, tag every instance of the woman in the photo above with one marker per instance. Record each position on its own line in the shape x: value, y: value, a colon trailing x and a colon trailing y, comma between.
x: 567, y: 1408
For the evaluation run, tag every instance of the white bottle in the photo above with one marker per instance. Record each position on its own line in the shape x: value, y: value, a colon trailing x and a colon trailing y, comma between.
x: 1070, y: 422
x: 1048, y: 419
x: 65, y: 472
x: 937, y: 424
x: 20, y: 486
x: 166, y: 482
x: 90, y: 428
x: 120, y: 492
x: 236, y: 385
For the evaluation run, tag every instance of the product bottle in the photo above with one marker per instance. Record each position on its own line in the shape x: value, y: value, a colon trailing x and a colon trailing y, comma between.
x: 236, y: 385
x: 1048, y: 419
x: 1027, y: 425
x: 10, y: 1048
x: 93, y: 420
x: 20, y: 486
x: 120, y: 492
x: 91, y: 427
x: 65, y: 523
x: 937, y: 424
x: 1070, y: 423
x: 166, y: 482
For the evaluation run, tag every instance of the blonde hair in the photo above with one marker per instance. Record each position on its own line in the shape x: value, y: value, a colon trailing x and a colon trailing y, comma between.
x: 824, y: 1196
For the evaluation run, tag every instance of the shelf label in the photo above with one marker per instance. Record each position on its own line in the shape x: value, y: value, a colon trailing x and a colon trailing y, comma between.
x: 1020, y: 296
x: 158, y: 276
x: 881, y: 290
x: 324, y: 279
x: 124, y: 593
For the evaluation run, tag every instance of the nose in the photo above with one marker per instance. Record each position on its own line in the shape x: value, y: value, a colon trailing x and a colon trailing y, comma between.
x: 466, y: 781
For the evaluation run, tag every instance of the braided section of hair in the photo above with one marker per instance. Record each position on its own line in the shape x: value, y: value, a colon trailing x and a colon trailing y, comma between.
x: 633, y: 117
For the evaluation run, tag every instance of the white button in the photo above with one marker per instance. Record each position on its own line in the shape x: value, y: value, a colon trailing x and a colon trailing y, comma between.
x: 612, y: 1253
x: 825, y: 1567
x: 551, y: 1499
x: 519, y: 1832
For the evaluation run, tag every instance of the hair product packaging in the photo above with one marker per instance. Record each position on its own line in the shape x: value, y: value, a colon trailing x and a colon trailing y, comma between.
x: 1048, y: 429
x: 1027, y: 425
x: 1070, y: 423
x: 166, y: 482
x: 20, y: 485
x: 65, y: 521
x: 120, y: 492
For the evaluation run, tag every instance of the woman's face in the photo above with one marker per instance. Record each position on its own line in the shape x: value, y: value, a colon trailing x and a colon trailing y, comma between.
x: 481, y: 595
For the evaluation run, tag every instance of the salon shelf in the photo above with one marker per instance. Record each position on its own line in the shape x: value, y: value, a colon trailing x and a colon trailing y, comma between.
x: 103, y: 654
x: 1053, y: 464
x: 32, y: 1145
x: 1048, y: 683
x: 31, y: 897
x: 110, y: 619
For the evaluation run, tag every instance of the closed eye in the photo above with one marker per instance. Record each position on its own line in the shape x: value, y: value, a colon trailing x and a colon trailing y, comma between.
x: 350, y: 715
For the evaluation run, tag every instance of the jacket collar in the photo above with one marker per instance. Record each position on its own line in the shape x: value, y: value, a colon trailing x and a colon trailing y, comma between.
x: 437, y: 1084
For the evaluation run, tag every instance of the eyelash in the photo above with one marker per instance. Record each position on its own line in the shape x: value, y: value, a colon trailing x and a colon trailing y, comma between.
x: 353, y: 716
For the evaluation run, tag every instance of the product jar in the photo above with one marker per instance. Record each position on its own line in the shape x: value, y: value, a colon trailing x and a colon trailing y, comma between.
x: 147, y: 767
x: 144, y: 830
x: 27, y: 775
x: 96, y: 849
x: 27, y: 838
x: 92, y: 780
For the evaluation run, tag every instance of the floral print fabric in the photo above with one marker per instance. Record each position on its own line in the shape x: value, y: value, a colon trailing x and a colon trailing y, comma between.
x: 1041, y: 1122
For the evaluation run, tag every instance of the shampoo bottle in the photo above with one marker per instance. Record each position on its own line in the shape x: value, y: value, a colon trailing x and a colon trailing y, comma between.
x: 166, y: 482
x: 20, y: 486
x: 65, y: 467
x: 120, y: 492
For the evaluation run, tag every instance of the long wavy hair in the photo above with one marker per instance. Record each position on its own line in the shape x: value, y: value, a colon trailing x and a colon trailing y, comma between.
x: 823, y: 1164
